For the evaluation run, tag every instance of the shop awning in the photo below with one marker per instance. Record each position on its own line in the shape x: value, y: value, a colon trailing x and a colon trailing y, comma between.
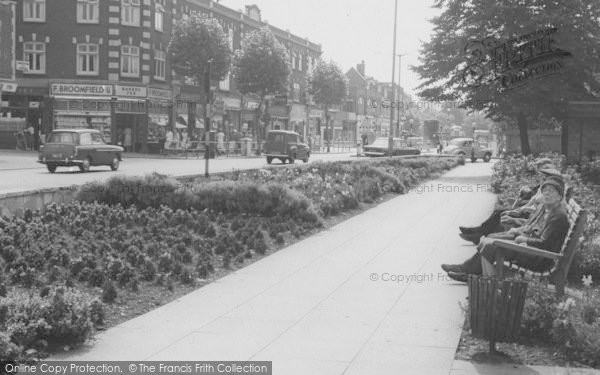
x: 183, y: 120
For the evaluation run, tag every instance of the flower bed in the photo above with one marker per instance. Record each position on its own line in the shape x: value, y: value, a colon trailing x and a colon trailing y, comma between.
x: 65, y: 269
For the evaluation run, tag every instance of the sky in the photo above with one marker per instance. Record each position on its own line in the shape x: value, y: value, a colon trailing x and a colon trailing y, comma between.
x: 350, y: 31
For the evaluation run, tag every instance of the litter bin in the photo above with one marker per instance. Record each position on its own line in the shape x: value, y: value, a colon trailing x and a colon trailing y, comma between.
x: 246, y: 146
x: 495, y: 308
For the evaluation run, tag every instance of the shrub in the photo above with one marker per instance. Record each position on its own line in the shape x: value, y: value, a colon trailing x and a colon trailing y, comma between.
x: 63, y: 317
x: 109, y: 292
x: 590, y: 172
x: 9, y: 351
x: 152, y: 190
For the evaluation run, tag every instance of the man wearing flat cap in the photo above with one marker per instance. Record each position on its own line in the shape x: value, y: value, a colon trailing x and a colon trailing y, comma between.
x: 545, y: 229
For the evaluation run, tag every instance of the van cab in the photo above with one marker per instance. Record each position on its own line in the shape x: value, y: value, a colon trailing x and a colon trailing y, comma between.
x: 286, y: 146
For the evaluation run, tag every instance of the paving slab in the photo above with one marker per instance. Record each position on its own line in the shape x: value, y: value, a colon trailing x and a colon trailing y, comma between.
x: 366, y: 296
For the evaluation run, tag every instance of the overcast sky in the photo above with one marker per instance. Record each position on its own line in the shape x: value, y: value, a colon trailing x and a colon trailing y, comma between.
x: 354, y: 30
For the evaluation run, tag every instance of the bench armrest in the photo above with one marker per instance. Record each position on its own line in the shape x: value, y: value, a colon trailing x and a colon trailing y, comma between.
x: 510, y: 245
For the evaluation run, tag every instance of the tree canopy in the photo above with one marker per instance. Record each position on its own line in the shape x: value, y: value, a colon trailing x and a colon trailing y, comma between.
x: 261, y: 66
x: 328, y: 83
x: 515, y: 59
x: 194, y: 42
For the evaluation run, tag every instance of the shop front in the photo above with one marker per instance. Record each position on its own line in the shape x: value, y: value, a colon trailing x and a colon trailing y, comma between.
x: 249, y: 115
x: 298, y: 119
x: 131, y: 117
x: 233, y: 116
x: 82, y: 105
x: 279, y: 117
x: 160, y: 108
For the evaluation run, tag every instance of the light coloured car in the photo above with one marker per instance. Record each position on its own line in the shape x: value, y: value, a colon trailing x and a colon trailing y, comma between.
x: 78, y: 147
x: 468, y: 148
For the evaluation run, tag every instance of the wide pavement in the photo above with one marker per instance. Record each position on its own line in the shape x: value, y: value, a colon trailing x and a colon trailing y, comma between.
x: 364, y: 297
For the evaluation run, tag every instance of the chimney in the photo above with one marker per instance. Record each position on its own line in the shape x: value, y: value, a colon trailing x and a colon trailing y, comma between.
x: 253, y: 11
x: 361, y: 68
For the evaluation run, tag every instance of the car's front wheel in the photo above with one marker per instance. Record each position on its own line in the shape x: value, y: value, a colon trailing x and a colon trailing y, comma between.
x: 473, y: 160
x: 487, y: 157
x: 269, y: 160
x: 51, y: 168
x: 114, y: 165
x: 85, y: 166
x: 306, y: 158
x: 292, y: 159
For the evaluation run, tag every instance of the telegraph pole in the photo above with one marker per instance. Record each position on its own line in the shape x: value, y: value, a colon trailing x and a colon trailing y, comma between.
x: 391, y: 135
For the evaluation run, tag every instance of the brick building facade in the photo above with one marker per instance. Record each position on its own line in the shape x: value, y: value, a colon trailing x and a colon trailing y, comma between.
x: 104, y: 64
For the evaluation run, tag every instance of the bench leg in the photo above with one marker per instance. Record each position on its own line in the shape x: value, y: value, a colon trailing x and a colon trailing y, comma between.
x: 500, y: 264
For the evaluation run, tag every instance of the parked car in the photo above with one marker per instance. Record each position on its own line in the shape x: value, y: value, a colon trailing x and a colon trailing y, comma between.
x: 78, y: 147
x: 469, y: 149
x: 381, y: 148
x: 285, y: 146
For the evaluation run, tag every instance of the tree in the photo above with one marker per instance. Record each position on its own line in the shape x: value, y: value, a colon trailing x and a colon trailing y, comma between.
x: 328, y: 86
x: 199, y: 48
x: 481, y: 47
x: 261, y: 67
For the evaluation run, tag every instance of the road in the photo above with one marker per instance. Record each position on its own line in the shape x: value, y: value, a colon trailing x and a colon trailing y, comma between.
x: 21, y: 172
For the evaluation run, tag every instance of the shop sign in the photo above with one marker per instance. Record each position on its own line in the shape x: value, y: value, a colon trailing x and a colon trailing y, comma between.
x: 162, y: 94
x: 316, y: 113
x: 232, y: 103
x: 131, y: 91
x: 8, y: 86
x: 80, y: 89
x: 278, y: 111
x: 298, y: 113
x: 252, y: 105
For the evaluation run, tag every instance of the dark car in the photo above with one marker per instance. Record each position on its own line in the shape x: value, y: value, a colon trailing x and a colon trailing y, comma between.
x: 285, y: 146
x: 381, y: 148
x: 78, y: 147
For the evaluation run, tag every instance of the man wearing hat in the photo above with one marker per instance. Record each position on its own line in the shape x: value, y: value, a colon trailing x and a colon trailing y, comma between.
x: 546, y: 229
x: 502, y: 219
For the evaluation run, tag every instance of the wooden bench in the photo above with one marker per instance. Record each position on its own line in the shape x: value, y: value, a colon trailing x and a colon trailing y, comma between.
x: 562, y: 261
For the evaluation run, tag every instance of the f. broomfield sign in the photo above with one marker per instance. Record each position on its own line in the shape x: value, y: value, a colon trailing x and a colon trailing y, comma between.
x: 515, y: 61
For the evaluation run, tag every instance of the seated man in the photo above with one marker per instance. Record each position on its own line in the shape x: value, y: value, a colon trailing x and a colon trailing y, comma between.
x: 545, y: 230
x: 502, y: 219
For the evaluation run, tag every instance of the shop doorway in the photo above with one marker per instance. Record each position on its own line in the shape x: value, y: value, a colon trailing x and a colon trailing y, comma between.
x: 131, y: 131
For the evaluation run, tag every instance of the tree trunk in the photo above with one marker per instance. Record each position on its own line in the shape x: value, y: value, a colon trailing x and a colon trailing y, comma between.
x: 327, y: 128
x: 564, y: 139
x: 522, y: 123
x: 260, y: 128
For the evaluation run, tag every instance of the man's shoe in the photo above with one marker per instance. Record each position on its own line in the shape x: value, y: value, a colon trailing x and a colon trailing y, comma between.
x: 456, y: 268
x: 469, y: 230
x: 459, y: 276
x: 470, y: 237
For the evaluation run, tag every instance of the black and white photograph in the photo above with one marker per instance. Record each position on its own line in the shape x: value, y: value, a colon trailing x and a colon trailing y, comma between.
x: 286, y: 187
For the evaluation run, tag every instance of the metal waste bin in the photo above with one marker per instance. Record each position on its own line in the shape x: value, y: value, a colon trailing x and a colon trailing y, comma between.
x: 246, y: 146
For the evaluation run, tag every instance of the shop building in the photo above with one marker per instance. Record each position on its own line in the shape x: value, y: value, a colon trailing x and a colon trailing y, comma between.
x: 103, y: 64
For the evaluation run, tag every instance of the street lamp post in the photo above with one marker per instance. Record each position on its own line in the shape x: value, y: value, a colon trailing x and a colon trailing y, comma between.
x: 207, y: 114
x: 400, y: 99
x: 391, y: 135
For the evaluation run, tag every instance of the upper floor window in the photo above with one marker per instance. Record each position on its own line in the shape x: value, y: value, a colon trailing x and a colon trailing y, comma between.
x: 87, y: 59
x: 87, y: 11
x: 159, y: 16
x: 34, y: 10
x: 35, y: 55
x: 224, y: 85
x: 130, y: 61
x: 130, y: 12
x: 160, y: 59
x: 300, y: 62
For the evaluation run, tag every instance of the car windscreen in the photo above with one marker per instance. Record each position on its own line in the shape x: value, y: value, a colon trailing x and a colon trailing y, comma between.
x: 63, y: 137
x: 457, y: 142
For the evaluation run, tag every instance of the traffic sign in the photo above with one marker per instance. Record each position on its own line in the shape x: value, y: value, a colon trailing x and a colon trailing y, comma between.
x: 8, y: 86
